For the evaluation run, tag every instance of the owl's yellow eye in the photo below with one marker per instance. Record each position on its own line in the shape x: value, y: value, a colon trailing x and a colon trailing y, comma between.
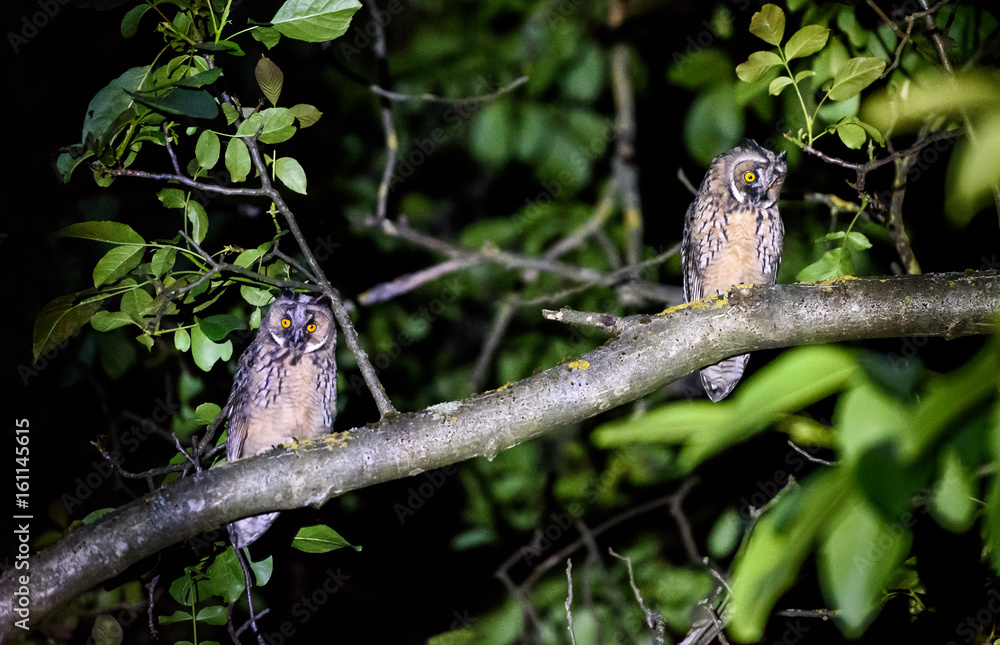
x: 286, y: 323
x: 311, y: 327
x: 749, y: 177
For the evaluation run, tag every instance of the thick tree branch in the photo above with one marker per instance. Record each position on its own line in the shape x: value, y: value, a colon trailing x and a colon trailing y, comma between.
x: 651, y: 351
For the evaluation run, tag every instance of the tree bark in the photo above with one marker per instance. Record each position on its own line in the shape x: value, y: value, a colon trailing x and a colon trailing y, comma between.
x: 648, y: 352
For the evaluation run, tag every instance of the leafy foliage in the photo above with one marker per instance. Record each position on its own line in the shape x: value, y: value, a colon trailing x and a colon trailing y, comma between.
x: 912, y: 445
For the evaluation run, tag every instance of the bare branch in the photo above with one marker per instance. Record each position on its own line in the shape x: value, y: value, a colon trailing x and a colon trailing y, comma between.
x: 661, y: 349
x: 431, y: 98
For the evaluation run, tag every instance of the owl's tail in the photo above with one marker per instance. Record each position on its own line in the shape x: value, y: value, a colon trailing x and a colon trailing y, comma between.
x: 245, y: 532
x: 720, y: 379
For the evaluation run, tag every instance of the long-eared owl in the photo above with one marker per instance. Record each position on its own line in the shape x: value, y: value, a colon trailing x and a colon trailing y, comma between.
x: 285, y: 388
x: 733, y: 235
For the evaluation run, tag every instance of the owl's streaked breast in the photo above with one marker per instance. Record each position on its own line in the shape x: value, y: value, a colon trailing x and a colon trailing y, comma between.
x: 748, y: 241
x: 288, y: 400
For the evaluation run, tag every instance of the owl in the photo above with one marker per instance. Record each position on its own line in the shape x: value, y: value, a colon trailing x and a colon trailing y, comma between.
x: 285, y: 388
x: 733, y: 235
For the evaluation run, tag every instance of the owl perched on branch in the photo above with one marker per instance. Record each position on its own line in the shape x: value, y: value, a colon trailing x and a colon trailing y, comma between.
x: 285, y: 388
x: 733, y: 235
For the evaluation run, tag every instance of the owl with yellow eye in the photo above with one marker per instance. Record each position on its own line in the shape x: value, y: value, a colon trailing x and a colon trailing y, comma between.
x: 285, y: 388
x: 733, y: 234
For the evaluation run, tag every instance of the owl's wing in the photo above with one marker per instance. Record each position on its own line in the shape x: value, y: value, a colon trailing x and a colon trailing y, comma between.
x: 237, y: 407
x: 693, y: 252
x: 326, y: 385
x: 769, y: 247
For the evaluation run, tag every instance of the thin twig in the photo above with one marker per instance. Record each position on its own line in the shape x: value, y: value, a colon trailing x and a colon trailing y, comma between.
x: 809, y: 457
x: 609, y: 323
x: 683, y: 178
x: 623, y: 164
x: 501, y: 321
x: 569, y: 600
x: 509, y: 259
x: 410, y: 281
x: 431, y: 98
x: 862, y: 169
x: 650, y: 616
x: 676, y: 509
x: 388, y: 127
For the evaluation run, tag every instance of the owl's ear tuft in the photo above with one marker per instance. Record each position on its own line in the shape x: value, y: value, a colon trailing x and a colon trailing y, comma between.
x: 286, y: 293
x: 324, y: 301
x: 783, y: 155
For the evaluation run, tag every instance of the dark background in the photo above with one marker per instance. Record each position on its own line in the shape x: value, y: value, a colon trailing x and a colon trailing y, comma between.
x: 407, y: 583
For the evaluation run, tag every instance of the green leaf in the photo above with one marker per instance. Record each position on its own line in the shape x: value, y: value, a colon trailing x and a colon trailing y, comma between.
x: 163, y: 261
x: 974, y: 171
x: 218, y: 326
x: 270, y: 78
x: 182, y: 340
x: 319, y: 539
x: 852, y: 135
x: 291, y: 174
x: 93, y: 516
x: 225, y: 576
x: 754, y: 68
x: 108, y: 320
x: 770, y: 561
x: 111, y: 109
x: 146, y: 340
x: 835, y: 263
x: 768, y: 24
x: 806, y: 41
x: 256, y: 296
x: 180, y: 101
x: 858, y: 241
x: 714, y: 123
x: 267, y: 36
x: 314, y: 21
x: 262, y: 570
x: 248, y: 257
x: 59, y: 319
x: 207, y: 149
x: 953, y: 500
x: 855, y: 75
x: 136, y: 302
x: 113, y: 232
x: 199, y: 220
x: 176, y: 617
x: 130, y: 23
x: 116, y: 263
x: 237, y: 159
x: 201, y: 79
x: 206, y: 413
x: 213, y: 615
x: 172, y: 198
x: 856, y: 559
x: 279, y: 125
x: 106, y: 631
x: 306, y: 114
x: 778, y: 84
x: 205, y: 352
x: 804, y: 74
